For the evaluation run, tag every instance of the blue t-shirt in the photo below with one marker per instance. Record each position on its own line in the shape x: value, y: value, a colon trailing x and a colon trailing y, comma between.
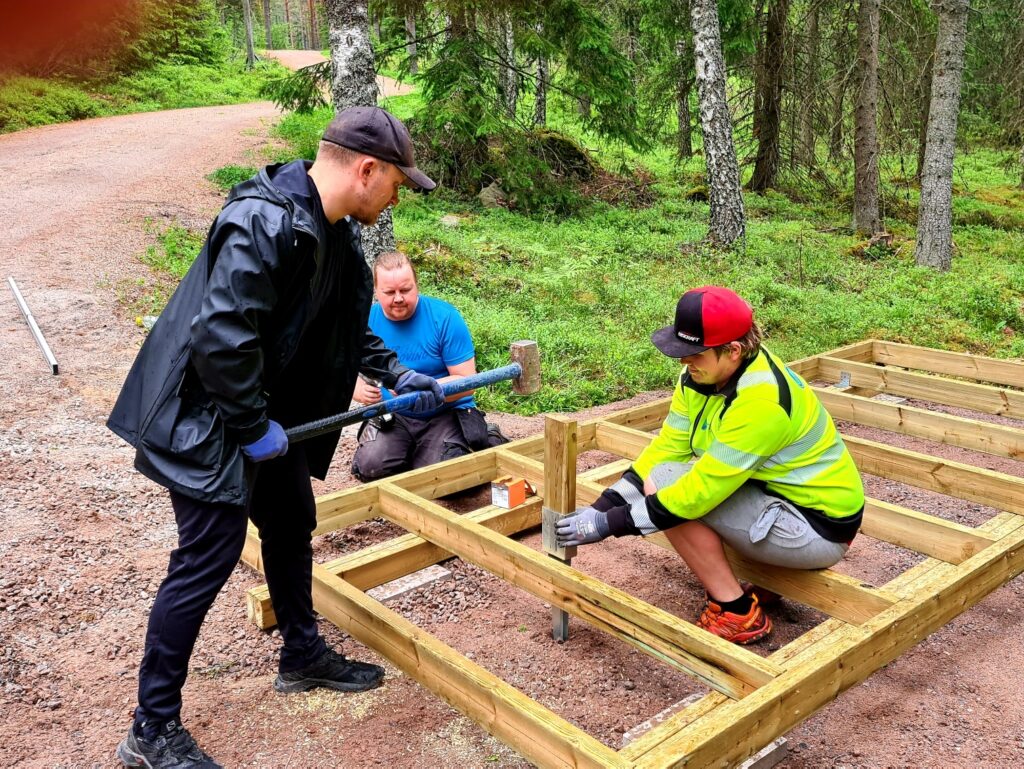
x: 434, y: 338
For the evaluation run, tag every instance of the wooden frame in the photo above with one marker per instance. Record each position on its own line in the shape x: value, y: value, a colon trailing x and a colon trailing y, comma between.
x: 754, y: 699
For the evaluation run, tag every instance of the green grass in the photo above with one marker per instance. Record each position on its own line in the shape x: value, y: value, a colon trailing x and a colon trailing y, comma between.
x: 590, y: 288
x: 27, y: 102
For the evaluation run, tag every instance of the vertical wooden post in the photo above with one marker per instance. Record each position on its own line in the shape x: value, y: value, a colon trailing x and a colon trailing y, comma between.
x: 559, y: 498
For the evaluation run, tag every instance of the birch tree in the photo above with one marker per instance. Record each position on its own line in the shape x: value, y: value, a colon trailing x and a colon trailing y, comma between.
x: 866, y: 217
x: 723, y: 175
x: 355, y: 85
x: 935, y: 213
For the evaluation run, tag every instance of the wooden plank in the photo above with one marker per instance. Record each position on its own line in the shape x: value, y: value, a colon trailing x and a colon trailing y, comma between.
x: 987, y: 487
x: 625, y: 441
x: 527, y: 726
x: 646, y: 417
x: 984, y: 369
x: 559, y: 499
x: 721, y: 665
x: 952, y: 430
x: 951, y: 392
x: 730, y: 731
x: 922, y: 533
x: 859, y: 351
x: 605, y: 475
x: 377, y: 564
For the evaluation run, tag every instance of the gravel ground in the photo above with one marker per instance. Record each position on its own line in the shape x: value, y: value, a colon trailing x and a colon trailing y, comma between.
x: 84, y: 539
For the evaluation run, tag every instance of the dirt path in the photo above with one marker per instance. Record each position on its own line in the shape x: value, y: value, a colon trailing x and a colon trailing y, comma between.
x: 84, y: 539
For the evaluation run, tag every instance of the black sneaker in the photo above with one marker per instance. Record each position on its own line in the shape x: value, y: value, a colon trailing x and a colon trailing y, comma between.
x: 173, y: 748
x: 333, y: 671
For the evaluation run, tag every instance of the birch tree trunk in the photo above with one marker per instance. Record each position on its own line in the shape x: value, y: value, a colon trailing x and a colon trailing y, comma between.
x: 866, y: 217
x: 769, y: 98
x: 355, y: 85
x: 250, y: 50
x: 267, y: 24
x: 540, y: 96
x: 410, y: 43
x: 935, y: 212
x: 807, y: 101
x: 723, y: 175
x: 507, y: 76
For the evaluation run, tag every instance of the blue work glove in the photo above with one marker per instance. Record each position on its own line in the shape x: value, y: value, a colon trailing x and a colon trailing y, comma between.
x: 429, y: 395
x: 583, y: 527
x: 274, y: 443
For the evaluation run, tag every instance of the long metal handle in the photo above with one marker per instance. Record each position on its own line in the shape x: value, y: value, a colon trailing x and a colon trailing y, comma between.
x: 33, y: 326
x: 336, y: 422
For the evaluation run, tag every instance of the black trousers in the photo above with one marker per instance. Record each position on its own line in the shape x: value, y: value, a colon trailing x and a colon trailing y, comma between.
x: 210, y: 539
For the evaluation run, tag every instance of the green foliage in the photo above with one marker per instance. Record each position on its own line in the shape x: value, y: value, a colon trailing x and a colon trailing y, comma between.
x: 301, y: 91
x: 29, y: 101
x: 227, y: 177
x: 175, y: 32
x: 175, y: 250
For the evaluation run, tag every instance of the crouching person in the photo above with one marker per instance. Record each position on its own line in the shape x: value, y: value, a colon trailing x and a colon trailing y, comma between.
x: 747, y: 456
x: 429, y: 335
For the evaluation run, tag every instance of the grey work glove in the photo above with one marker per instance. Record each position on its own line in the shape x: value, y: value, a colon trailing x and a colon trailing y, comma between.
x: 429, y: 395
x: 583, y: 527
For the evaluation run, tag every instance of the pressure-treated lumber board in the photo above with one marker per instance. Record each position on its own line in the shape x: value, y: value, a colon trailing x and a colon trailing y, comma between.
x: 525, y: 725
x: 383, y: 562
x: 627, y: 442
x: 955, y: 431
x: 723, y: 666
x: 1005, y: 372
x: 951, y: 392
x: 730, y: 731
x: 811, y: 644
x: 988, y: 487
x: 858, y: 351
x: 560, y: 436
x: 935, y: 537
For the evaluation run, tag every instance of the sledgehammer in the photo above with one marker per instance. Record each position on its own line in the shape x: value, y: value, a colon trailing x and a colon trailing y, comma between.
x: 524, y: 371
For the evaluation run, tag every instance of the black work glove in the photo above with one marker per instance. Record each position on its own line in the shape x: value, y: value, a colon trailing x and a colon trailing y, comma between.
x: 429, y: 395
x: 584, y: 527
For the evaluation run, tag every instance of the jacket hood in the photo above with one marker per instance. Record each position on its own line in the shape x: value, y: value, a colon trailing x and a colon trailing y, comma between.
x: 262, y: 186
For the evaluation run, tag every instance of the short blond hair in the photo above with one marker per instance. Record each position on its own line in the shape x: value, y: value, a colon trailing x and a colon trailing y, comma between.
x: 393, y: 260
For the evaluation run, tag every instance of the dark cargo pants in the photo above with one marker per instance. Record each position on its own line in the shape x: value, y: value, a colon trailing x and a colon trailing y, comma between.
x: 210, y: 539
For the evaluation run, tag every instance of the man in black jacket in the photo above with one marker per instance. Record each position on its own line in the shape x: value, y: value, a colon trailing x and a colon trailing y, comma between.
x: 267, y: 330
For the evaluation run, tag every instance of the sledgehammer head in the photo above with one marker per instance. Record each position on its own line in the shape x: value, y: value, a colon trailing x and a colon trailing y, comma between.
x: 527, y: 355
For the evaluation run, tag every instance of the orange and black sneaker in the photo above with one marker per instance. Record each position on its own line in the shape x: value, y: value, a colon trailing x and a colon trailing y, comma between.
x: 738, y: 628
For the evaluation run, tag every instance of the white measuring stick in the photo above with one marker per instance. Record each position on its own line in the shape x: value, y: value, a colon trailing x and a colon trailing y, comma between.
x: 33, y: 327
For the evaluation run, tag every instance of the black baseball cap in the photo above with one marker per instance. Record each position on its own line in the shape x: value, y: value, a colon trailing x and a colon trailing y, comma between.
x: 706, y: 317
x: 376, y: 132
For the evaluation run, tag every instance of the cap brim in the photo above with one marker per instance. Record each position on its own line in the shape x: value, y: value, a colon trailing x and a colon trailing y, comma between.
x: 669, y: 343
x: 418, y: 180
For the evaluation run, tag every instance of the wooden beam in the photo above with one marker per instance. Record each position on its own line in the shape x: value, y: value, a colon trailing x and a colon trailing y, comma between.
x: 559, y: 499
x: 984, y: 369
x: 383, y: 562
x: 729, y: 732
x: 722, y: 666
x: 527, y: 726
x: 952, y: 392
x: 934, y: 537
x: 952, y: 430
x: 987, y: 487
x: 859, y: 351
x: 625, y: 441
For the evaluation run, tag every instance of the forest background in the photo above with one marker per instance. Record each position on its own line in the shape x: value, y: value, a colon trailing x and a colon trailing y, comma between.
x: 853, y: 168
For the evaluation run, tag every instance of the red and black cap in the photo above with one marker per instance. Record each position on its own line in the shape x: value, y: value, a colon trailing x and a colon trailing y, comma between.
x: 706, y: 317
x: 374, y: 131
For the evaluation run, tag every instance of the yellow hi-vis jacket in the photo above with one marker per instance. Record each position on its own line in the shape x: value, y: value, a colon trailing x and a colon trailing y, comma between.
x: 764, y: 426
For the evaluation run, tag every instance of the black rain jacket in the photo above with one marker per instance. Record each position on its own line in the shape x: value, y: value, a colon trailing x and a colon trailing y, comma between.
x: 240, y: 343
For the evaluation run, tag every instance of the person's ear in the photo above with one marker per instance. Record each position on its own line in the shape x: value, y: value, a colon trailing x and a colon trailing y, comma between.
x: 366, y: 168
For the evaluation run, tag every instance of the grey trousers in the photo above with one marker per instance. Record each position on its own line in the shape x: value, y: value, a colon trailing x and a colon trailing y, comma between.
x: 761, y: 527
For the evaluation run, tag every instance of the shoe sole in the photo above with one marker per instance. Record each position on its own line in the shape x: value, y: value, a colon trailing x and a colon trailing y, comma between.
x: 291, y: 687
x: 130, y: 758
x: 753, y: 636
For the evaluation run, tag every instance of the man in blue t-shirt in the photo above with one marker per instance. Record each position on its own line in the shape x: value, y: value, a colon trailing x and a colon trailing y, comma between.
x: 431, y: 337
